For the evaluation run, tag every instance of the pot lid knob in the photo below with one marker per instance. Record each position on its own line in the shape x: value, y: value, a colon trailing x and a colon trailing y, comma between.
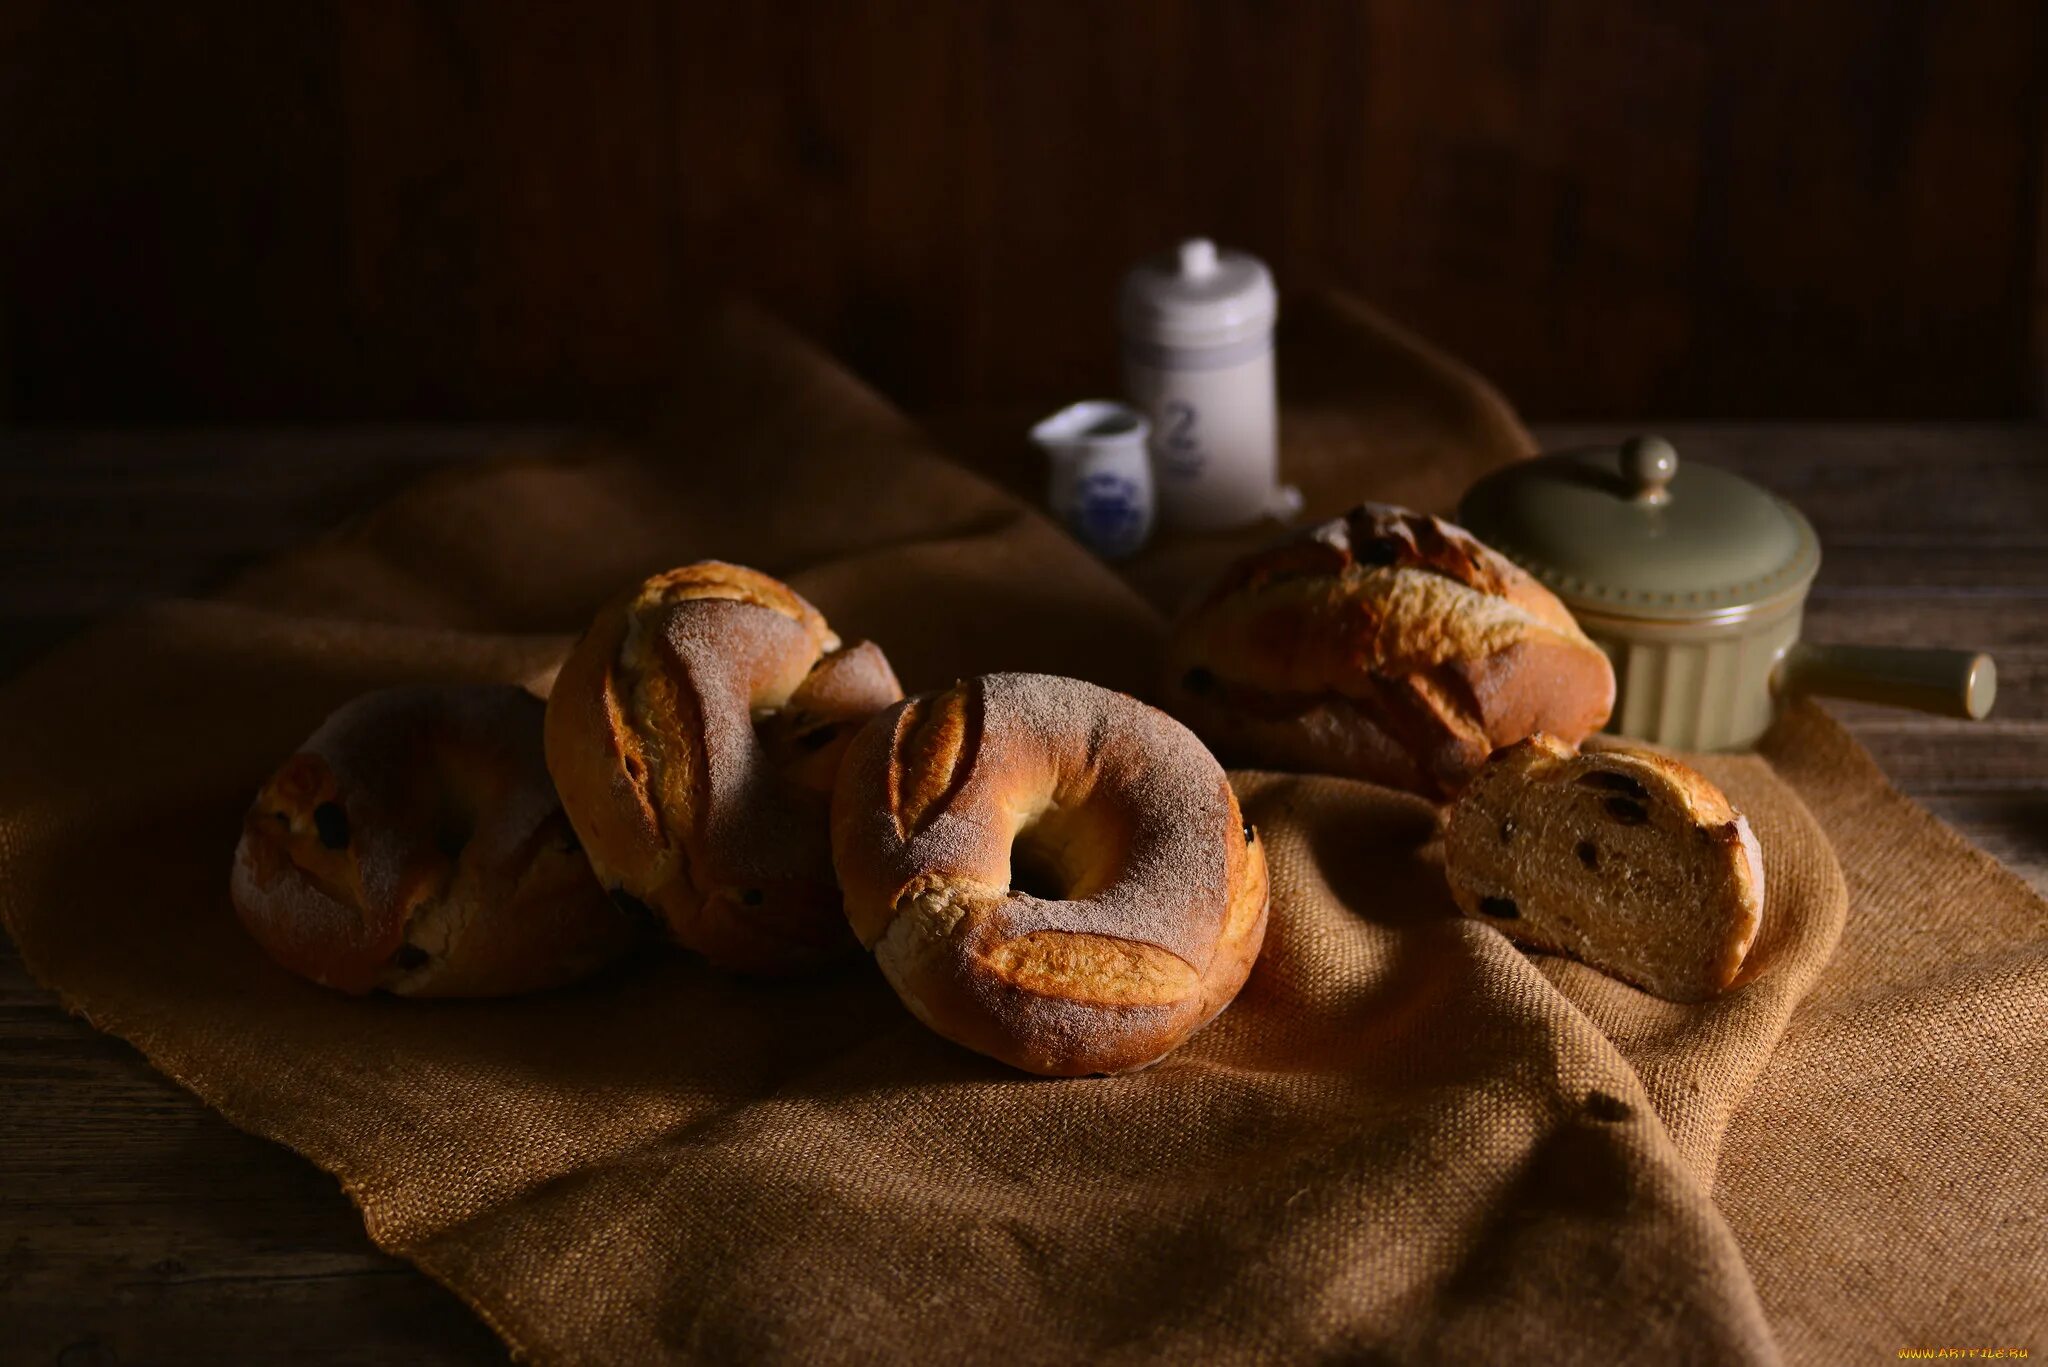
x: 1649, y: 464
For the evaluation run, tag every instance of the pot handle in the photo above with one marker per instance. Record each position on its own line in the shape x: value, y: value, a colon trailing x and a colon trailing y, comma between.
x: 1948, y: 683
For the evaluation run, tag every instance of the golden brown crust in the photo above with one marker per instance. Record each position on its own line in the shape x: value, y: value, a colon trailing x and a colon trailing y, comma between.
x: 415, y: 844
x: 1385, y: 645
x: 1048, y: 872
x: 1626, y: 859
x: 695, y: 732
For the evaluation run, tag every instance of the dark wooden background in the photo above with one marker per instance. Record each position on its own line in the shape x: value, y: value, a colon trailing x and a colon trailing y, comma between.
x: 436, y: 208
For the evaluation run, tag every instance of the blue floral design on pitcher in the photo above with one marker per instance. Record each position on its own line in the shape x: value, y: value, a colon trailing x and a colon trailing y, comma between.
x: 1109, y: 513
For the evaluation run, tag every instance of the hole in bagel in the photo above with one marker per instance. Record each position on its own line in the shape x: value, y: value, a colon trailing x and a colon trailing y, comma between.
x: 1065, y: 854
x: 1035, y: 871
x: 1045, y: 855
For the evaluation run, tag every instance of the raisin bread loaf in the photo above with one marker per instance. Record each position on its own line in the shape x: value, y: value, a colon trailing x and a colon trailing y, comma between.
x: 1385, y: 645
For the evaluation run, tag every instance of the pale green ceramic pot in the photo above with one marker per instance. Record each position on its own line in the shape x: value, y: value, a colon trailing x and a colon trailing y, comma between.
x: 1693, y: 580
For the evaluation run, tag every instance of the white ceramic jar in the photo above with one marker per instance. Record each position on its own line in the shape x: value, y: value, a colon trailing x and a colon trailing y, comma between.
x: 1197, y: 329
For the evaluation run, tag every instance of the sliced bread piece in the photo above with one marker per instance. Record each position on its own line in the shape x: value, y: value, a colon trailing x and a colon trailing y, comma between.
x: 1623, y: 859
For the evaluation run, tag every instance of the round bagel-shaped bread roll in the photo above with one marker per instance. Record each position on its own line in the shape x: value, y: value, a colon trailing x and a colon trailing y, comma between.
x: 1385, y: 645
x: 1048, y: 872
x: 695, y: 732
x: 415, y: 844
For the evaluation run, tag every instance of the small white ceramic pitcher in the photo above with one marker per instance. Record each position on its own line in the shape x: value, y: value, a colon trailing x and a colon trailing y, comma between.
x: 1101, y: 488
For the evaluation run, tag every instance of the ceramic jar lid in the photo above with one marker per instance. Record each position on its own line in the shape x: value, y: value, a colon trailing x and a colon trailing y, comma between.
x: 1630, y: 532
x: 1198, y: 296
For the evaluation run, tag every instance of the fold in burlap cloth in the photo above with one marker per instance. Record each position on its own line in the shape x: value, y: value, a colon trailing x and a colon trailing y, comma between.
x: 1406, y: 1140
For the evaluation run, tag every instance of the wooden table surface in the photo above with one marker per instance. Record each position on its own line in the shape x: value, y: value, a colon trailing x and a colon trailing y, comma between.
x: 137, y: 1226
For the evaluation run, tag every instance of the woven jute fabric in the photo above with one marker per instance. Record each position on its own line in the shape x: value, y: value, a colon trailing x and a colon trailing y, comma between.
x: 1406, y: 1141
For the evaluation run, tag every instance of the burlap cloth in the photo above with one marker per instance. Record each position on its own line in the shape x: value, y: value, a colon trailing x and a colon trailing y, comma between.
x: 1406, y: 1141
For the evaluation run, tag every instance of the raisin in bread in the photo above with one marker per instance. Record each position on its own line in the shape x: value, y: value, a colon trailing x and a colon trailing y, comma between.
x: 1624, y: 859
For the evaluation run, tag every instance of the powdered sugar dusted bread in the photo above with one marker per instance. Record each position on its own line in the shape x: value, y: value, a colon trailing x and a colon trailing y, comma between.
x: 695, y: 733
x: 1048, y: 872
x: 1384, y: 645
x: 1624, y: 859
